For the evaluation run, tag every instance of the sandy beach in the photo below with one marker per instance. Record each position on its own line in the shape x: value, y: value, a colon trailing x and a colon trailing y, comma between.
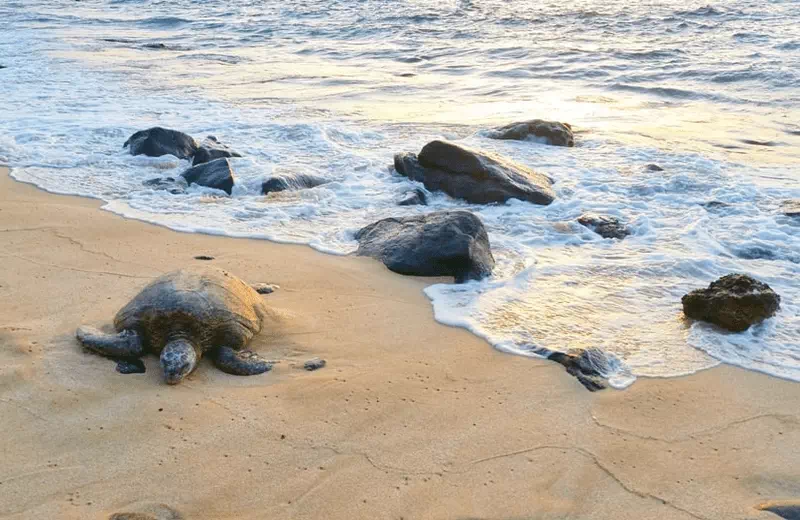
x: 409, y: 419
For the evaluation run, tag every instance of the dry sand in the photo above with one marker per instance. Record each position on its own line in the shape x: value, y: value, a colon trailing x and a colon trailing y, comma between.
x: 410, y: 419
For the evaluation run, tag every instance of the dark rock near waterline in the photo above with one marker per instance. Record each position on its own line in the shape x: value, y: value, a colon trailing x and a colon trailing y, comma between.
x: 444, y: 243
x: 786, y: 509
x: 654, y: 168
x: 174, y: 186
x: 733, y: 302
x: 477, y: 177
x: 292, y: 182
x: 591, y: 367
x: 216, y: 174
x: 130, y: 366
x: 791, y: 208
x: 211, y: 149
x: 157, y: 141
x: 414, y: 198
x: 314, y: 364
x: 557, y: 134
x: 605, y: 226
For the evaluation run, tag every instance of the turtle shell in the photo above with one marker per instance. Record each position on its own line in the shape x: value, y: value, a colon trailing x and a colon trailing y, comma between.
x: 208, y: 306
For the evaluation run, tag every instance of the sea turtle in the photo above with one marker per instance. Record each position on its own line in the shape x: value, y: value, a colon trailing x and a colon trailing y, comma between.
x: 182, y: 315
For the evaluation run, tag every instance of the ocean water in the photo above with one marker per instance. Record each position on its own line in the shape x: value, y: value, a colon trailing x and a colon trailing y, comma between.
x: 709, y: 92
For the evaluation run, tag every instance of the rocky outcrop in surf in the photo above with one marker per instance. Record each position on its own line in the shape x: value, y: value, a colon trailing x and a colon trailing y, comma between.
x: 591, y: 366
x: 791, y: 208
x: 291, y: 182
x: 211, y: 149
x: 605, y: 226
x: 554, y: 133
x: 417, y: 197
x: 733, y: 302
x: 216, y: 174
x: 477, y: 177
x: 157, y: 141
x: 444, y: 243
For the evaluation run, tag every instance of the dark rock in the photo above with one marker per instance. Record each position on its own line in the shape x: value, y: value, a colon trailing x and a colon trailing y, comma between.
x: 734, y: 302
x: 791, y: 208
x: 314, y: 364
x: 265, y: 288
x: 291, y: 182
x: 130, y: 366
x: 714, y: 205
x: 211, y: 149
x: 216, y: 174
x: 174, y: 186
x: 755, y: 253
x: 557, y: 134
x: 414, y: 198
x: 476, y: 177
x: 203, y: 257
x: 155, y: 46
x: 606, y: 227
x: 445, y: 243
x: 157, y: 141
x: 3, y: 67
x: 654, y: 168
x: 591, y: 367
x: 786, y: 509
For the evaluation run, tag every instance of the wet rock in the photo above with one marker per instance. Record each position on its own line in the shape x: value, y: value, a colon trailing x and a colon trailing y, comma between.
x: 292, y: 182
x: 414, y: 198
x: 314, y: 364
x: 605, y: 226
x: 654, y: 168
x: 211, y: 149
x: 786, y: 509
x: 474, y: 176
x: 3, y: 67
x: 733, y: 302
x: 265, y: 288
x: 157, y: 141
x: 444, y: 243
x: 791, y: 208
x: 216, y: 174
x: 174, y: 186
x: 591, y: 367
x: 755, y: 253
x: 556, y: 134
x: 714, y: 205
x: 130, y: 366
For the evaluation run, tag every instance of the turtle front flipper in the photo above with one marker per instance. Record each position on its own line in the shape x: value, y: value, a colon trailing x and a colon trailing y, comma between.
x: 239, y: 362
x: 126, y: 344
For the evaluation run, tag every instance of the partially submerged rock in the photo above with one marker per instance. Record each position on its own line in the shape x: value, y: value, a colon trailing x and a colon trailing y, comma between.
x: 591, y: 367
x: 474, y: 176
x: 157, y: 141
x: 444, y: 243
x: 654, y: 168
x: 414, y: 198
x: 211, y: 149
x: 171, y: 184
x: 733, y: 302
x: 556, y: 134
x: 791, y: 208
x: 605, y: 226
x: 216, y: 174
x: 292, y: 182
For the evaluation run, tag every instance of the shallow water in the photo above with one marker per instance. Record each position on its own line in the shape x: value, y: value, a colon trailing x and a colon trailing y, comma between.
x: 708, y: 92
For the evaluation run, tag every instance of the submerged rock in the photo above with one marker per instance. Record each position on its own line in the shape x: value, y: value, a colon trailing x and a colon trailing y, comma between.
x: 211, y: 149
x: 157, y: 141
x: 654, y: 168
x: 606, y: 227
x: 474, y: 176
x: 591, y: 367
x: 216, y: 174
x: 170, y: 184
x: 733, y: 302
x: 414, y: 198
x: 292, y: 182
x: 791, y: 208
x: 444, y: 243
x: 556, y: 134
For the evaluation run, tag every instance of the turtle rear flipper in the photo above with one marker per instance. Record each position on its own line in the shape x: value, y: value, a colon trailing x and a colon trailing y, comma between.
x: 126, y: 344
x: 240, y: 362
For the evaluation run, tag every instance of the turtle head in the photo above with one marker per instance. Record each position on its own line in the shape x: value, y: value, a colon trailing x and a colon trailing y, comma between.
x: 178, y: 359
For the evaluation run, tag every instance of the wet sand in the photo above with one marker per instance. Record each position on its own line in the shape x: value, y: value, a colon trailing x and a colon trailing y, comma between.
x: 409, y: 419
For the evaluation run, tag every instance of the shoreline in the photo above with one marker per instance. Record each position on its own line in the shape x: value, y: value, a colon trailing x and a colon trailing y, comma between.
x: 410, y: 418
